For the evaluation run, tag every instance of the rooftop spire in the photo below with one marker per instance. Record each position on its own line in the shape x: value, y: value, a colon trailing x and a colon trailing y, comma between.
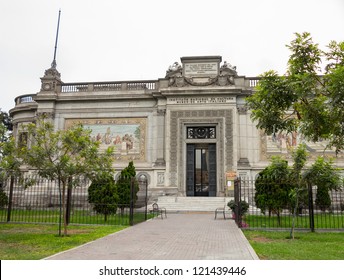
x: 53, y: 64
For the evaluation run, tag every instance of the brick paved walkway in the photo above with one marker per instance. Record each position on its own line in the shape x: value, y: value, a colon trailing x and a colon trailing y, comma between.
x: 179, y: 237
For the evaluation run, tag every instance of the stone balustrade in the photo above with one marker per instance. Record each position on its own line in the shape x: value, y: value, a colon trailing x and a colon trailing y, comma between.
x: 149, y: 85
x: 109, y: 86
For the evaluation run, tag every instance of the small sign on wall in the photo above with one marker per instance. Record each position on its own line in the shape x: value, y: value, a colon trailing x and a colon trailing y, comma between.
x: 230, y: 177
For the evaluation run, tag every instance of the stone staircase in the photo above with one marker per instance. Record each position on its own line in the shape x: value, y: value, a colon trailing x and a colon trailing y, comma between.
x: 175, y: 204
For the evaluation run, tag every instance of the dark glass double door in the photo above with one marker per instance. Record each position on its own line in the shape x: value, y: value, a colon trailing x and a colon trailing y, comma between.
x: 201, y: 170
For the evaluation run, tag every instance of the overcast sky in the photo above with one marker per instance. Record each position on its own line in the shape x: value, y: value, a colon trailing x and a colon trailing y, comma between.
x: 113, y: 40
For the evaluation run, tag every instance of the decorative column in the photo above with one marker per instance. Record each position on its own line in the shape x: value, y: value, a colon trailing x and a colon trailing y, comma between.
x: 244, y: 139
x: 160, y: 149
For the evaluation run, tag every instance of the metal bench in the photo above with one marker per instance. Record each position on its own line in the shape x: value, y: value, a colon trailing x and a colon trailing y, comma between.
x: 221, y: 210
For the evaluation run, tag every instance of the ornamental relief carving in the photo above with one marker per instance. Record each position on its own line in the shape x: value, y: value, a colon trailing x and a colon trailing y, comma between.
x: 225, y: 77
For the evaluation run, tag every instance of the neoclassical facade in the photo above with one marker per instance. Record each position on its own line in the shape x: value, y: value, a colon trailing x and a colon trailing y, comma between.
x: 190, y: 132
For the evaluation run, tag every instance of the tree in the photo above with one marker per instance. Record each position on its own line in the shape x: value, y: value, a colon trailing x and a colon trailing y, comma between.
x: 6, y: 120
x: 3, y: 197
x: 10, y: 157
x: 308, y: 99
x: 326, y: 178
x: 64, y: 155
x: 10, y: 161
x: 298, y: 195
x: 102, y: 193
x: 123, y: 186
x: 273, y: 186
x: 5, y: 129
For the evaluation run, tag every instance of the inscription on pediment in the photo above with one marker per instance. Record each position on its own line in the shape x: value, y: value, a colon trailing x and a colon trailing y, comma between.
x: 199, y: 100
x: 201, y: 69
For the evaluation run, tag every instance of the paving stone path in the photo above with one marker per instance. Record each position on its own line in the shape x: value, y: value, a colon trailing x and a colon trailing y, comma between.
x: 177, y: 237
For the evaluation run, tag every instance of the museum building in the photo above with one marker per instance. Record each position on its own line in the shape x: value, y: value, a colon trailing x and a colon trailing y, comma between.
x: 189, y: 133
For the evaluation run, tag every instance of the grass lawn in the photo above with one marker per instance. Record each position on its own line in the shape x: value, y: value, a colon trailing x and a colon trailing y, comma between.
x: 321, y: 221
x: 276, y: 245
x: 77, y: 217
x: 37, y: 241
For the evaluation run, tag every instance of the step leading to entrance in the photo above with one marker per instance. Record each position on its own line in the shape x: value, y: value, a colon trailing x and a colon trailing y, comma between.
x: 192, y: 204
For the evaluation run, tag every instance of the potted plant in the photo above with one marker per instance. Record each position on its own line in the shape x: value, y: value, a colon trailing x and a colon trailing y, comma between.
x: 244, y: 206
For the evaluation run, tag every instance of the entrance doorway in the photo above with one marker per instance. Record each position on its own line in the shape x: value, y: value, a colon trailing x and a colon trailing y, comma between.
x: 201, y: 169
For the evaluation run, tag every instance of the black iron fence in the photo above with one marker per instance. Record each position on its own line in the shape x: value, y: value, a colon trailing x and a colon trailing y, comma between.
x: 36, y: 200
x: 310, y: 214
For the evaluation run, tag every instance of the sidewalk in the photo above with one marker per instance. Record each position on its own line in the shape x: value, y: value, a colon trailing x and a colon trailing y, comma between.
x: 179, y: 237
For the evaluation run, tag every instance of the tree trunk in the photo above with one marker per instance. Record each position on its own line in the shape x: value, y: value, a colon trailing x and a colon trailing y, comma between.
x: 292, y: 231
x: 278, y: 218
x: 64, y: 208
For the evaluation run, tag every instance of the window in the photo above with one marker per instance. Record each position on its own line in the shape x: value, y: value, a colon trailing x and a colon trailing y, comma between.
x: 22, y: 139
x: 201, y: 132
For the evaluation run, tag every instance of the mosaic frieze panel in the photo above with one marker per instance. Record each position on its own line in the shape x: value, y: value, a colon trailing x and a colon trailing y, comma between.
x: 284, y: 143
x: 126, y: 135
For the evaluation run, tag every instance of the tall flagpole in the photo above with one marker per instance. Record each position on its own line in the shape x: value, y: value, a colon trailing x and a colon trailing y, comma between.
x: 53, y: 64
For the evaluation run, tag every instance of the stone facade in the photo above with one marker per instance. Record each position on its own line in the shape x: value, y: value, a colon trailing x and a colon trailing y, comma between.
x: 187, y: 130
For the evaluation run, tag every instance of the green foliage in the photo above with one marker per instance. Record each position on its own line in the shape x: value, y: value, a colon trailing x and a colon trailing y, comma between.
x: 123, y: 186
x: 323, y: 199
x: 299, y: 158
x: 298, y: 195
x: 7, y: 143
x: 279, y: 187
x: 10, y: 157
x: 273, y: 97
x: 64, y: 155
x: 273, y: 186
x: 3, y: 132
x: 326, y: 177
x: 244, y: 206
x: 102, y: 193
x: 6, y: 121
x: 60, y: 154
x: 305, y: 99
x: 3, y: 198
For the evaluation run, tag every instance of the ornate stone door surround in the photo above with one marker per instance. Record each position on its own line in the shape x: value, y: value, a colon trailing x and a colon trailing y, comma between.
x: 179, y: 121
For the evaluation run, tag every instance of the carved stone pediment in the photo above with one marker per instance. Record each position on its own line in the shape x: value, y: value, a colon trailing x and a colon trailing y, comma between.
x: 201, y: 74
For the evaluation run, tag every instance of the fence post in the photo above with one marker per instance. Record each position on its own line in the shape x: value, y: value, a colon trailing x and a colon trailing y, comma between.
x: 10, y: 198
x: 131, y: 212
x: 237, y: 196
x: 69, y: 204
x: 69, y: 199
x: 310, y: 207
x: 143, y: 182
x: 60, y: 206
